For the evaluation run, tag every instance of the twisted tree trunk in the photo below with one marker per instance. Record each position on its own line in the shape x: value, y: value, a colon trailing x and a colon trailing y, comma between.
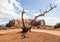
x: 26, y: 29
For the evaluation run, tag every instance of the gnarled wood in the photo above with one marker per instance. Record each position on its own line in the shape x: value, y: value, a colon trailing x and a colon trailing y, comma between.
x: 26, y: 29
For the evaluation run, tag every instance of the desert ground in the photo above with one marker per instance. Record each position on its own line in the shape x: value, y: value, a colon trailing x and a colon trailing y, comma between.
x: 14, y: 35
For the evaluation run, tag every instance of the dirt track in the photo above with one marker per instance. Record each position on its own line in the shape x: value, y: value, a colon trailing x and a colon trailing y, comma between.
x: 48, y: 31
x: 33, y: 30
x: 13, y: 35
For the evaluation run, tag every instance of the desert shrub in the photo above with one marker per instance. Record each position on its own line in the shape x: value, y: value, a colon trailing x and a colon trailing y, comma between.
x: 57, y: 25
x: 8, y: 25
x: 40, y: 27
x: 12, y: 27
x: 3, y: 28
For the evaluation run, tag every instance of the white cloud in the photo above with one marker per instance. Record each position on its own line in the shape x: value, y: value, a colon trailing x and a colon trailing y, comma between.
x: 2, y: 22
x: 51, y: 20
x: 57, y: 1
x: 8, y: 11
x: 25, y: 16
x: 35, y: 14
x: 17, y: 4
x: 48, y: 19
x: 26, y: 10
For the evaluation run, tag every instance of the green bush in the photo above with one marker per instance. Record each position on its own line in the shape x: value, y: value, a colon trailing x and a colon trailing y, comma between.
x: 57, y: 25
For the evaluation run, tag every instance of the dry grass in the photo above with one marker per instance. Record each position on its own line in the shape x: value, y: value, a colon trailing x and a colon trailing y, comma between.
x: 31, y: 37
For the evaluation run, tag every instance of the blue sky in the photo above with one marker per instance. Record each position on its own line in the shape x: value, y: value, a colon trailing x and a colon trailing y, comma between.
x: 11, y: 9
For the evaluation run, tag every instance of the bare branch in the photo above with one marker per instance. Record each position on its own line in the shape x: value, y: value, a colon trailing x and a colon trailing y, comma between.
x: 23, y: 12
x: 22, y: 18
x: 25, y: 29
x: 51, y: 7
x: 40, y: 11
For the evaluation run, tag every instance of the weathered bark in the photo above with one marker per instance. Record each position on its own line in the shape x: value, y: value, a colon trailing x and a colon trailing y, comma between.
x: 26, y: 29
x: 23, y: 19
x: 32, y: 22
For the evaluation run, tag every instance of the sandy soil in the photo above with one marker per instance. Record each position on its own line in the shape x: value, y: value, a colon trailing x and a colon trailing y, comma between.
x: 53, y: 32
x: 15, y: 36
x: 47, y: 31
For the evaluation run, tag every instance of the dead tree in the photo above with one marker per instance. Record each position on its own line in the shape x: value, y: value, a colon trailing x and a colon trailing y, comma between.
x: 43, y: 14
x: 51, y: 7
x: 26, y: 29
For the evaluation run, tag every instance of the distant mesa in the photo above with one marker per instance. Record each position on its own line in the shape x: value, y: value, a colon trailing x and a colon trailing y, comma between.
x: 18, y: 22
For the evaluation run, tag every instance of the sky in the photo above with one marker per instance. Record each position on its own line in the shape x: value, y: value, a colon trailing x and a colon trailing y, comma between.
x: 11, y: 9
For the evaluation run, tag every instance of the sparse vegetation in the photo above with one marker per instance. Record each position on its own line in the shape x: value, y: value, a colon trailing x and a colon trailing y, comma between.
x: 57, y: 25
x: 5, y: 28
